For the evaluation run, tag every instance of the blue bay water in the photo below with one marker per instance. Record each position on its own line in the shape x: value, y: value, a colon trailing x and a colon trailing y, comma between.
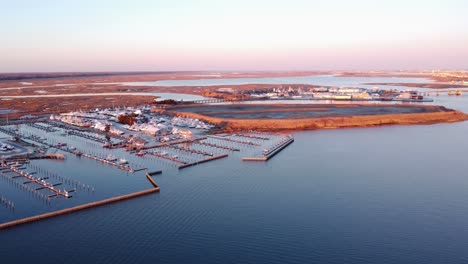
x: 326, y: 80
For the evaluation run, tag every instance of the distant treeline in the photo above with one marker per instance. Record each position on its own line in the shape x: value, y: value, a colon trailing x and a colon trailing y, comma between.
x: 50, y: 75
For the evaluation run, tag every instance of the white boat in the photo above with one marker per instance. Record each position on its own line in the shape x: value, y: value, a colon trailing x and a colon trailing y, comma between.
x: 123, y: 161
x: 111, y: 157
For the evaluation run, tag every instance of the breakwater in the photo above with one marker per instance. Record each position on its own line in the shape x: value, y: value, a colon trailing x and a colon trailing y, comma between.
x: 82, y: 207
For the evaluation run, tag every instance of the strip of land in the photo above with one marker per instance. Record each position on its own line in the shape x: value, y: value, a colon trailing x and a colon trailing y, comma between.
x: 285, y: 117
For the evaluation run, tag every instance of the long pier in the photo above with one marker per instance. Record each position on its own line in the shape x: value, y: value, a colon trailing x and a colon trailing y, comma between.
x: 9, y: 132
x: 235, y: 141
x: 83, y: 135
x: 193, y: 151
x: 105, y: 161
x: 82, y: 207
x: 251, y: 136
x: 41, y: 127
x: 268, y: 155
x: 202, y: 161
x: 65, y: 125
x: 41, y: 182
x: 176, y: 142
x: 166, y: 157
x: 23, y: 187
x: 216, y: 146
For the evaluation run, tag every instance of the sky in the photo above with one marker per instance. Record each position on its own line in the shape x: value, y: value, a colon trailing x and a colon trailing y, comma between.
x: 179, y: 35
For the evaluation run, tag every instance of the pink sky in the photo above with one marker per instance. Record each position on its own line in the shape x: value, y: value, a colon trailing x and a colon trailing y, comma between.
x: 240, y: 35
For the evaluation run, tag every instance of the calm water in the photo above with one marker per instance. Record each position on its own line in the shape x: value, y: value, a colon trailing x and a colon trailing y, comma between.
x: 328, y: 80
x: 7, y: 111
x: 162, y: 96
x: 395, y: 194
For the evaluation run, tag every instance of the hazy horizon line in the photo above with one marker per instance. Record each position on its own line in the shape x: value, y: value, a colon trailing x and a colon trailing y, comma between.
x: 233, y: 71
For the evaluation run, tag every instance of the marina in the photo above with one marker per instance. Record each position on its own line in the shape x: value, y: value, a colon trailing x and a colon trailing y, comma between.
x: 37, y: 146
x: 98, y: 167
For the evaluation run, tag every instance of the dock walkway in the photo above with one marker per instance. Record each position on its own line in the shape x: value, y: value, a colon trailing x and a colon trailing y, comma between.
x: 235, y: 141
x: 271, y: 152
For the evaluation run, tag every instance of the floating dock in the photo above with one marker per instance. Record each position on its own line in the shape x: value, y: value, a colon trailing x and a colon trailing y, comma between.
x: 105, y: 161
x: 42, y: 127
x: 251, y: 136
x: 235, y: 141
x: 216, y: 146
x: 193, y: 151
x: 268, y: 155
x: 39, y: 181
x: 156, y: 154
x: 86, y: 136
x: 175, y: 142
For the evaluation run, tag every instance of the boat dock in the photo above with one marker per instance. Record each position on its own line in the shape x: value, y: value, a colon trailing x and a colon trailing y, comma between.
x: 42, y: 127
x: 40, y: 181
x: 65, y: 126
x: 86, y: 136
x: 159, y: 155
x: 272, y: 151
x: 23, y: 187
x: 124, y: 167
x: 193, y: 151
x: 235, y: 141
x: 48, y: 174
x: 202, y: 161
x: 84, y: 206
x: 175, y: 142
x: 251, y: 136
x: 216, y: 146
